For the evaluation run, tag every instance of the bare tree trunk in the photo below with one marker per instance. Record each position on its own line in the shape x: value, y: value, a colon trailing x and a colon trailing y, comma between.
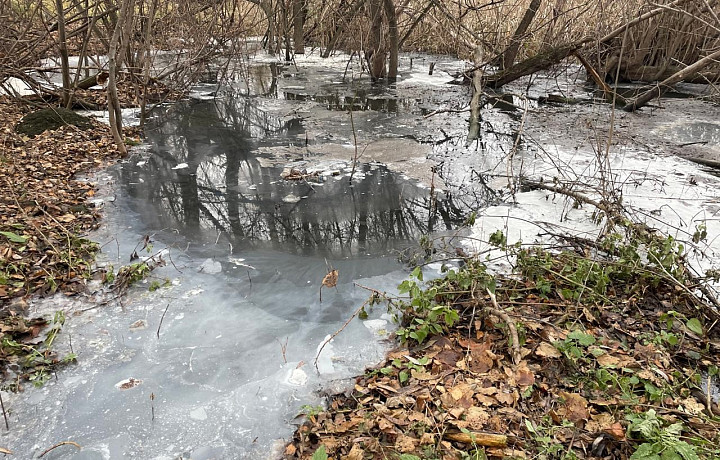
x: 508, y: 57
x: 64, y: 61
x: 474, y: 129
x: 146, y: 59
x: 114, y: 112
x: 375, y: 54
x: 267, y: 7
x: 393, y: 39
x: 298, y: 26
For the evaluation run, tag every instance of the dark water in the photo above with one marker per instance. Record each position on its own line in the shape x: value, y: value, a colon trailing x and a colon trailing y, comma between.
x: 232, y: 194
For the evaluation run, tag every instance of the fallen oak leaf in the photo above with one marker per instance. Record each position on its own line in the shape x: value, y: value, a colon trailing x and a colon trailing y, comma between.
x: 330, y: 280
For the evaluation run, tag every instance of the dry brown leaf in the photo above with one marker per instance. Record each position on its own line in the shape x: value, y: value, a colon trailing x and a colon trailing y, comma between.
x: 692, y: 406
x: 523, y: 375
x: 576, y: 407
x: 405, y: 444
x: 599, y: 422
x: 547, y: 350
x: 330, y: 279
x: 356, y: 453
x: 506, y: 398
x: 616, y: 431
x: 476, y: 418
x: 385, y: 425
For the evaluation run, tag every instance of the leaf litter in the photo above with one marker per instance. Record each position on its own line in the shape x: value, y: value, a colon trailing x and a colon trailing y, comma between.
x: 611, y: 363
x: 45, y: 209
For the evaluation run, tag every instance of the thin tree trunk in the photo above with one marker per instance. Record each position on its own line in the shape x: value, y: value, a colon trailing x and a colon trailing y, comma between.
x: 375, y: 54
x: 64, y: 61
x: 298, y: 26
x: 146, y: 59
x: 340, y: 28
x: 114, y: 112
x: 474, y: 128
x: 83, y: 58
x: 508, y: 57
x: 393, y: 39
x: 415, y: 23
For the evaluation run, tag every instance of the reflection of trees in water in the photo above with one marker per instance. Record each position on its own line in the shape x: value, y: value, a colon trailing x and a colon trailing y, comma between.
x: 225, y: 188
x: 359, y: 101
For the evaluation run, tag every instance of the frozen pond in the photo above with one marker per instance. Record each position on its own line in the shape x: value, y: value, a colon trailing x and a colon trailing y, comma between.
x: 217, y: 362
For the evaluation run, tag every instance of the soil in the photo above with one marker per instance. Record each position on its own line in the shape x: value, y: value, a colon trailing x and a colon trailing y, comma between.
x: 39, y: 121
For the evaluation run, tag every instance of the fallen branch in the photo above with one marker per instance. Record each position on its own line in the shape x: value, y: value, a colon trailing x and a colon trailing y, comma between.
x: 608, y: 94
x: 479, y: 439
x: 161, y: 321
x: 552, y: 56
x: 500, y: 313
x: 64, y: 443
x: 665, y: 85
x: 540, y: 61
x: 335, y: 334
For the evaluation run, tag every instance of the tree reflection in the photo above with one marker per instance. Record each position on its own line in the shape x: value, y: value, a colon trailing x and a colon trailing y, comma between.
x: 227, y: 188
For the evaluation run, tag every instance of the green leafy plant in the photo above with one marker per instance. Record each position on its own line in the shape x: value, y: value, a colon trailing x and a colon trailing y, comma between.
x: 428, y: 316
x: 660, y: 440
x: 405, y: 367
x: 39, y: 361
x: 157, y: 284
x: 320, y: 453
x: 574, y: 347
x: 543, y: 435
x: 310, y: 410
x: 498, y: 239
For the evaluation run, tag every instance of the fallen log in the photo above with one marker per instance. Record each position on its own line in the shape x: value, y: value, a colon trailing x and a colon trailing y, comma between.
x: 650, y: 74
x: 665, y: 85
x: 553, y: 56
x: 97, y: 79
x: 540, y: 61
x: 704, y: 162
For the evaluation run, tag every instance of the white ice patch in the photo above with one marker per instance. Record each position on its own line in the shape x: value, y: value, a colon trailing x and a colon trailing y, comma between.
x: 297, y: 377
x: 198, y: 414
x: 376, y: 326
x: 291, y: 198
x: 211, y: 267
x: 324, y: 359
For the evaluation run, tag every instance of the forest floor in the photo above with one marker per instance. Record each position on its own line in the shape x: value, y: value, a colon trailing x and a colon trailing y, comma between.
x: 45, y: 209
x: 588, y: 351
